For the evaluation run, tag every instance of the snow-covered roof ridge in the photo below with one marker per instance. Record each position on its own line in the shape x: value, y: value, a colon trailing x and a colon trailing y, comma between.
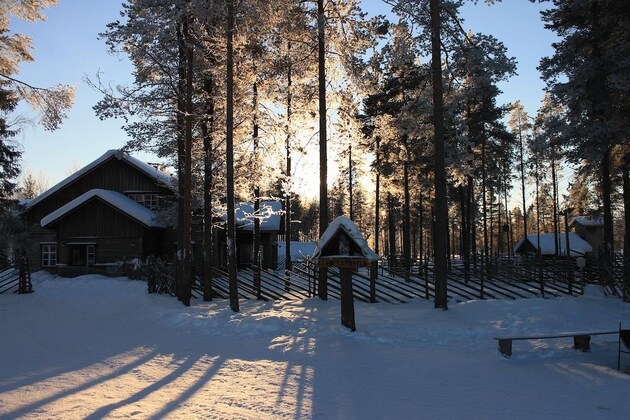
x: 270, y: 215
x: 113, y: 198
x: 589, y: 221
x: 149, y: 170
x: 547, y: 244
x: 347, y: 225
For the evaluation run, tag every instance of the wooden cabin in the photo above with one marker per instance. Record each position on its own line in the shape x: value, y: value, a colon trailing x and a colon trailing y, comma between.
x: 104, y: 213
x: 547, y: 241
x: 271, y: 225
x: 591, y: 229
x: 107, y: 212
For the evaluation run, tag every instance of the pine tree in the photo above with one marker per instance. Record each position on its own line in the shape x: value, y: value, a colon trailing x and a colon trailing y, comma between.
x: 521, y: 127
x: 588, y: 74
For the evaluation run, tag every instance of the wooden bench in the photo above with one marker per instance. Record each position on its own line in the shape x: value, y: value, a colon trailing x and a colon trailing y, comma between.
x: 581, y: 340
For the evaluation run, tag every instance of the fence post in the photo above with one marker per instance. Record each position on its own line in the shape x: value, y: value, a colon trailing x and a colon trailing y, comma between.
x: 24, y: 285
x: 373, y: 276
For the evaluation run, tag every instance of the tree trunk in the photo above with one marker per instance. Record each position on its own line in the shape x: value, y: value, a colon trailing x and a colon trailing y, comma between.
x: 287, y: 198
x: 484, y: 203
x: 520, y: 138
x: 421, y: 227
x: 188, y: 257
x: 626, y: 242
x: 322, y: 289
x: 472, y: 220
x: 441, y: 208
x: 607, y: 204
x: 464, y: 231
x: 407, y: 217
x: 229, y: 152
x: 207, y: 127
x: 257, y: 256
x: 554, y: 185
x: 350, y: 192
x: 377, y: 198
x: 181, y: 158
x: 391, y: 229
x: 184, y: 145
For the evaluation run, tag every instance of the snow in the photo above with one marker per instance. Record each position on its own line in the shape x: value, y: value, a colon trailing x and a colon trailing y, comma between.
x: 269, y: 214
x: 587, y: 221
x: 154, y: 173
x: 113, y: 198
x: 347, y: 225
x: 94, y: 347
x: 299, y: 250
x: 547, y: 244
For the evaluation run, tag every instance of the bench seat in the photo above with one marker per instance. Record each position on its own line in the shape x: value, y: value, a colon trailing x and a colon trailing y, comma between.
x: 581, y: 340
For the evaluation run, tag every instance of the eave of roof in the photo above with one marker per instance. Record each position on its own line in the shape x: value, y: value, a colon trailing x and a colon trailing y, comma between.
x: 158, y: 176
x: 115, y: 199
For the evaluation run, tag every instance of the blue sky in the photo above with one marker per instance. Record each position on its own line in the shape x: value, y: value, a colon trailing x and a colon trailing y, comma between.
x: 67, y: 49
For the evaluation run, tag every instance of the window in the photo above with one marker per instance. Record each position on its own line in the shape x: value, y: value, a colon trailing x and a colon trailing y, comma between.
x: 91, y: 254
x: 81, y: 255
x: 49, y: 255
x: 148, y: 200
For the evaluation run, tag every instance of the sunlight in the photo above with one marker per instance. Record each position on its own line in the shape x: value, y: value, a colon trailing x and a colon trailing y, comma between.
x: 151, y: 385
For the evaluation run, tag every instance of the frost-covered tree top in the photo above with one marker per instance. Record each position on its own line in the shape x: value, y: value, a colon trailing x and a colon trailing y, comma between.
x: 51, y: 103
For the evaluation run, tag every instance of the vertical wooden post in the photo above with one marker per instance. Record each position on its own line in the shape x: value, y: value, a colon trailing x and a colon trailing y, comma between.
x: 24, y: 285
x: 373, y: 276
x: 568, y: 249
x: 347, y: 299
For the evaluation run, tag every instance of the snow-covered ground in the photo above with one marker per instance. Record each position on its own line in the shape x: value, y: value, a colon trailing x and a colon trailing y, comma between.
x: 93, y: 347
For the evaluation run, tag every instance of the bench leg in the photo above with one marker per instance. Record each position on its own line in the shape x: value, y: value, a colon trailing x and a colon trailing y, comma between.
x: 505, y: 347
x: 582, y: 342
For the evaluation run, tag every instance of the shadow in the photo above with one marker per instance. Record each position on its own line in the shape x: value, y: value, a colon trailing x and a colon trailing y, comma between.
x: 198, y: 385
x: 104, y: 411
x: 69, y: 391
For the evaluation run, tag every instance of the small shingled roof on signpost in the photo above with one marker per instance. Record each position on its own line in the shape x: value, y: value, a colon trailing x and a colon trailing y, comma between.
x: 343, y: 246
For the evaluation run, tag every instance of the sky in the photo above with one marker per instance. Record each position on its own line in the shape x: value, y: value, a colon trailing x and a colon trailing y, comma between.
x: 99, y: 347
x: 67, y: 50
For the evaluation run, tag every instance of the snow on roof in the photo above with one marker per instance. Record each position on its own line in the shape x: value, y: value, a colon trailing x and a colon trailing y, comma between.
x: 547, y: 244
x: 347, y: 225
x: 299, y: 250
x: 149, y: 170
x: 587, y: 221
x: 113, y: 198
x: 270, y: 215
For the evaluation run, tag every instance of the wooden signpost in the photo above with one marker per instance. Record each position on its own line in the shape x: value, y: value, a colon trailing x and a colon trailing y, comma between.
x: 343, y: 246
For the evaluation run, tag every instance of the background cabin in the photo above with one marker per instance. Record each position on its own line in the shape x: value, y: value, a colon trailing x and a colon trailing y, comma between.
x: 271, y: 226
x: 530, y: 245
x: 591, y: 229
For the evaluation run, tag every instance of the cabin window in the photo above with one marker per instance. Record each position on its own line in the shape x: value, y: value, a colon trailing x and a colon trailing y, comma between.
x: 82, y: 255
x: 49, y: 255
x: 91, y: 254
x: 148, y: 200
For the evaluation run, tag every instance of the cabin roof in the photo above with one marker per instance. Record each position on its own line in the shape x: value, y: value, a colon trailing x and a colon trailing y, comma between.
x: 159, y: 176
x: 587, y: 221
x: 345, y: 224
x: 115, y: 199
x: 547, y: 244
